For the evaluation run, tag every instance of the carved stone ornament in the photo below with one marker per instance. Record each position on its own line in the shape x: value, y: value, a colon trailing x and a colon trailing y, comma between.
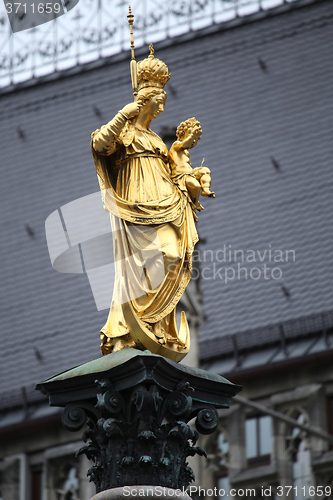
x: 136, y: 406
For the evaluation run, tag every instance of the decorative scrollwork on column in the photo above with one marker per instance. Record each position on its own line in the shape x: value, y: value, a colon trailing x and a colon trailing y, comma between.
x: 141, y: 435
x: 207, y: 420
x: 178, y: 404
x: 73, y: 418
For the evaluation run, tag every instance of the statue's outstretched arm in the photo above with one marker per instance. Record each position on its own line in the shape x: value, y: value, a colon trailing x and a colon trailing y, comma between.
x: 192, y: 138
x: 105, y: 140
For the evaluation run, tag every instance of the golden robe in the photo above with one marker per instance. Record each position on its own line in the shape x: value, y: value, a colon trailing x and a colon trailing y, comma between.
x: 153, y: 234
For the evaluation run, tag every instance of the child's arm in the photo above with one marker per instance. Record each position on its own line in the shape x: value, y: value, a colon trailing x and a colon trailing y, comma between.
x: 192, y: 138
x: 176, y: 146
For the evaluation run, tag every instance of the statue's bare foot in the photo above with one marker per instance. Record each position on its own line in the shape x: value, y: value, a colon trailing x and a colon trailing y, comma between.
x: 209, y: 194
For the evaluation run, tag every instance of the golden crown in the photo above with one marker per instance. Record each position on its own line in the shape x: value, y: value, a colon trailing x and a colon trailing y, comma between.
x: 152, y: 72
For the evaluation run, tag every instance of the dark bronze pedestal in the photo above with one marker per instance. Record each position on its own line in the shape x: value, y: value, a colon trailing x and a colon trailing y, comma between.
x: 137, y: 406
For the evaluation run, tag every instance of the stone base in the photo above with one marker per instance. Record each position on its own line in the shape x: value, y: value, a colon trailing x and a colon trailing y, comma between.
x: 142, y: 491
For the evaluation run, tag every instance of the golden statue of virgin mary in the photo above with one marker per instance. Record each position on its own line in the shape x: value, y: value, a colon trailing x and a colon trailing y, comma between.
x: 153, y: 224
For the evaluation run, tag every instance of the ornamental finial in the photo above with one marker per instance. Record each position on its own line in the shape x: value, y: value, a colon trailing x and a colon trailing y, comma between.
x: 151, y: 51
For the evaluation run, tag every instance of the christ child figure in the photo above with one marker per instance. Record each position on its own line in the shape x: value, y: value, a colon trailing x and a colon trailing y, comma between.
x: 188, y: 179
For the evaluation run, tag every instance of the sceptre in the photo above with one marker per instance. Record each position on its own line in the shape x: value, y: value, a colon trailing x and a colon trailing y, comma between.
x: 134, y: 75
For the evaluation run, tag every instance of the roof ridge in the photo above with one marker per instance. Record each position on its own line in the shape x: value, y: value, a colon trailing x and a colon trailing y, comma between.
x: 210, y: 347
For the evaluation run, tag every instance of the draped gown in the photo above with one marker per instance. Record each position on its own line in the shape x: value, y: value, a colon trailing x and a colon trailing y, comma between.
x: 153, y: 231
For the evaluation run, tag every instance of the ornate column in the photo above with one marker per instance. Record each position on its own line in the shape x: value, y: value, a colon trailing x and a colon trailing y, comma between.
x: 137, y: 406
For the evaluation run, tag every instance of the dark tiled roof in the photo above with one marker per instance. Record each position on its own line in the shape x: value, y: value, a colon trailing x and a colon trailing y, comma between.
x: 269, y: 335
x: 271, y: 157
x: 263, y: 94
x: 313, y: 349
